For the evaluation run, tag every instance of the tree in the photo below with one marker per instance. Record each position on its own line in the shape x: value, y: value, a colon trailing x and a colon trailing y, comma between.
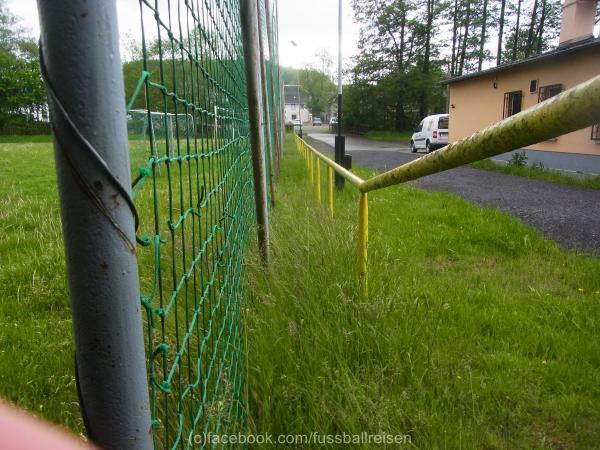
x: 22, y: 93
x: 405, y: 50
x: 482, y: 37
x: 532, y: 21
x: 516, y: 32
x: 543, y: 27
x: 319, y: 87
x: 465, y: 38
x: 500, y: 32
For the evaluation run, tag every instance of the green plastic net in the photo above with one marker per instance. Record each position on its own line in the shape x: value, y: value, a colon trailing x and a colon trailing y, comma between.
x: 190, y: 148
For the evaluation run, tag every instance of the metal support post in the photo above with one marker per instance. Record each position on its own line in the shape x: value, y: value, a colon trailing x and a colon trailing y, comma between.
x: 318, y: 181
x: 277, y: 132
x: 248, y: 12
x: 363, y: 237
x: 330, y: 190
x: 80, y: 63
x: 340, y: 141
x: 265, y: 103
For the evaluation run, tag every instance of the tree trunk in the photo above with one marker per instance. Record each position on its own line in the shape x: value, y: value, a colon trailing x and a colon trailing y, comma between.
x: 465, y: 38
x: 454, y: 36
x: 424, y: 97
x: 500, y: 33
x: 400, y: 117
x: 514, y: 55
x: 540, y: 32
x: 482, y: 37
x: 531, y: 28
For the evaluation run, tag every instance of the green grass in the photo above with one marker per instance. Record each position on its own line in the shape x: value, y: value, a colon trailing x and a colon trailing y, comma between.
x: 36, y: 347
x: 16, y: 139
x: 378, y: 135
x: 541, y: 173
x: 478, y: 333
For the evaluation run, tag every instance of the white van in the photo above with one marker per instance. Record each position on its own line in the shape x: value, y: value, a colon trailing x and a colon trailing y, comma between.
x: 430, y: 134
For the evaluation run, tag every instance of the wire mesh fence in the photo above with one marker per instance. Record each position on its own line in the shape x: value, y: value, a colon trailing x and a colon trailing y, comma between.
x: 190, y: 152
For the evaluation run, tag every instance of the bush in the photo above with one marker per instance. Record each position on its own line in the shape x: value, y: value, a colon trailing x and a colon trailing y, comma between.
x: 21, y: 126
x: 518, y: 159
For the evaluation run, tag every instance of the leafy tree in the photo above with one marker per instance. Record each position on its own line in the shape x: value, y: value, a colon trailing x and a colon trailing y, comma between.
x: 289, y: 75
x: 22, y: 94
x: 407, y: 47
x: 319, y: 87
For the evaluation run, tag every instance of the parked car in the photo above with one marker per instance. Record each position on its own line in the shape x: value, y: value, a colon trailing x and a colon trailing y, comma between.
x: 333, y: 121
x: 297, y: 124
x: 317, y: 122
x: 430, y: 134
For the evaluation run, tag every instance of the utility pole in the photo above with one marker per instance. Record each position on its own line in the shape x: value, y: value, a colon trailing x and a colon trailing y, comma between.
x: 340, y: 141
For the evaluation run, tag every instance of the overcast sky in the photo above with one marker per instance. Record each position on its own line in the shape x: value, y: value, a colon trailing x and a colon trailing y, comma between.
x: 311, y: 24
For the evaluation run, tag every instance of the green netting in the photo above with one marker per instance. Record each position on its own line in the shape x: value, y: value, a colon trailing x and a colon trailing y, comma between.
x: 190, y: 148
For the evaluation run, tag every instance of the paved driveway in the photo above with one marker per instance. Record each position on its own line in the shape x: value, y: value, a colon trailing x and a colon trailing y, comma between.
x: 568, y: 214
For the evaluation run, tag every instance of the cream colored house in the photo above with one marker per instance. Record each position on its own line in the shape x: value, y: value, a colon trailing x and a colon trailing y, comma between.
x: 295, y: 104
x: 480, y: 99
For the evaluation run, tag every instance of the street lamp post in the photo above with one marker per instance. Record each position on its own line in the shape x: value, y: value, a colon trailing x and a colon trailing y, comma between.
x: 340, y: 141
x: 299, y: 106
x: 299, y: 103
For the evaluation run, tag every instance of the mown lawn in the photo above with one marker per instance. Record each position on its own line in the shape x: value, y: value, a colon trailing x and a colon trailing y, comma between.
x: 478, y: 333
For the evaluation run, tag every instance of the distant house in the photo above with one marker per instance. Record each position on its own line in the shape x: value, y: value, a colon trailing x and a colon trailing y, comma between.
x: 295, y: 104
x: 480, y: 99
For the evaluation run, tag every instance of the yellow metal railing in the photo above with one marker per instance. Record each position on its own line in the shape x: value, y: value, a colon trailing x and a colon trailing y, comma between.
x: 576, y: 108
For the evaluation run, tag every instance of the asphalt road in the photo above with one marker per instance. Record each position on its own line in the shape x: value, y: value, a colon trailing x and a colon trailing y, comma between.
x: 570, y: 215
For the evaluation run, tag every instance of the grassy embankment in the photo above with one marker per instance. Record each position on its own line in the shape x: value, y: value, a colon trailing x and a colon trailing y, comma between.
x: 477, y: 333
x: 541, y: 173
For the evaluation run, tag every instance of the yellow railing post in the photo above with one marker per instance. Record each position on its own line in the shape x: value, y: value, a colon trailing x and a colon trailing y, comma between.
x: 310, y: 164
x: 330, y: 190
x: 363, y: 237
x: 318, y: 180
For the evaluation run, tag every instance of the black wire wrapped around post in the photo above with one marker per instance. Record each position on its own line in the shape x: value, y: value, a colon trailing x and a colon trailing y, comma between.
x: 82, y: 69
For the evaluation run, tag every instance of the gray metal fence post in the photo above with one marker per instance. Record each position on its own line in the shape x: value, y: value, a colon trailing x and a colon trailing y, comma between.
x: 272, y: 90
x: 82, y: 69
x: 265, y: 103
x: 249, y: 18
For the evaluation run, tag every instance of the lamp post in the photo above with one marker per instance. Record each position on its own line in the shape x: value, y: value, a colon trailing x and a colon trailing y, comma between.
x: 340, y: 141
x: 299, y: 103
x: 299, y: 107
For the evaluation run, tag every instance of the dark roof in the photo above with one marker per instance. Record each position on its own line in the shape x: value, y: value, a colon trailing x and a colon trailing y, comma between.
x: 556, y: 53
x: 290, y: 92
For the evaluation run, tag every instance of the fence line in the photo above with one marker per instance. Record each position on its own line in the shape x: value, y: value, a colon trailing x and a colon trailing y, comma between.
x: 576, y: 108
x: 202, y: 127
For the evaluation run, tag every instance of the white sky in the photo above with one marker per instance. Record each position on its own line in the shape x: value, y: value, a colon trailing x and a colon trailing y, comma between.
x: 312, y: 24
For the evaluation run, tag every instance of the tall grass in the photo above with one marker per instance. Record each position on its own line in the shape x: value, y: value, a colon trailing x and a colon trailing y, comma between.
x: 478, y: 333
x: 36, y: 349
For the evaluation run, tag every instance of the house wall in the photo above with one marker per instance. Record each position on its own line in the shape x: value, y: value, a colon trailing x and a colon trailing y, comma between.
x: 476, y: 104
x: 291, y: 109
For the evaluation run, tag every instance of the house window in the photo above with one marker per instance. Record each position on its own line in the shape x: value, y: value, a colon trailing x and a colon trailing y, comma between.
x: 596, y: 132
x: 512, y: 103
x: 549, y: 91
x: 293, y: 116
x: 533, y: 85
